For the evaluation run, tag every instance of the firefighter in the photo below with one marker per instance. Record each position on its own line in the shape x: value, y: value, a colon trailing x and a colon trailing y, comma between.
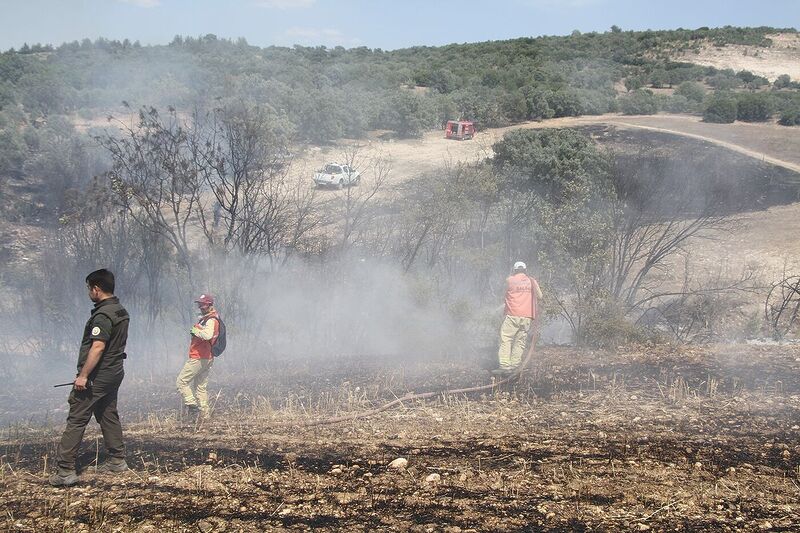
x: 193, y: 379
x: 521, y: 300
x: 100, y: 373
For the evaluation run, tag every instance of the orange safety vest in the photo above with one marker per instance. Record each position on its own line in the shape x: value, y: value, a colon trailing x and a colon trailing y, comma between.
x: 521, y: 295
x: 201, y: 348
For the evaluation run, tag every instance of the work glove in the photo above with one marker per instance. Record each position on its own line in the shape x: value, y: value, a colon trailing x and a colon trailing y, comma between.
x: 194, y: 331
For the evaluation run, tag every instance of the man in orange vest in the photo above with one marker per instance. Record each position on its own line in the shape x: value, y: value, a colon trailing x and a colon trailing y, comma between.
x: 194, y: 374
x: 522, y: 297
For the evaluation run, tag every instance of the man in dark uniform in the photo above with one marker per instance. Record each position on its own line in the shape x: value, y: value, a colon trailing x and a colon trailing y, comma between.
x: 100, y: 374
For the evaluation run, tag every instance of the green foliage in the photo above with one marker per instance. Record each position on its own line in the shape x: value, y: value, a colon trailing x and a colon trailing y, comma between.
x: 595, y: 102
x: 678, y: 73
x: 787, y: 106
x: 790, y: 116
x: 563, y: 179
x: 633, y: 83
x: 13, y: 152
x: 481, y: 105
x: 754, y: 107
x: 7, y: 95
x: 514, y: 106
x: 659, y: 78
x: 725, y: 80
x: 782, y: 82
x: 722, y: 108
x: 679, y: 104
x: 407, y: 113
x: 536, y: 101
x: 565, y: 103
x: 555, y: 163
x: 639, y: 102
x: 750, y: 80
x: 607, y: 326
x: 691, y: 90
x: 327, y: 93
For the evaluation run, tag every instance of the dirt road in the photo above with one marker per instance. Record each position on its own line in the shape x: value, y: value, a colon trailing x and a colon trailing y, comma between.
x: 771, y: 143
x: 777, y: 145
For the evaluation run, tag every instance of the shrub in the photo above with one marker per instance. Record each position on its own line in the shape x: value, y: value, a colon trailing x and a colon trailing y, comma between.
x: 565, y: 103
x: 721, y: 109
x: 678, y: 103
x: 634, y: 82
x: 659, y: 78
x: 639, y: 102
x: 608, y: 327
x: 691, y: 90
x: 782, y: 82
x: 595, y: 102
x: 754, y: 107
x: 538, y: 107
x: 790, y: 117
x: 724, y: 81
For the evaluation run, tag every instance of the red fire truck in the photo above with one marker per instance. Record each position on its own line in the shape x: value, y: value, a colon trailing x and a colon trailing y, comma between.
x: 460, y: 130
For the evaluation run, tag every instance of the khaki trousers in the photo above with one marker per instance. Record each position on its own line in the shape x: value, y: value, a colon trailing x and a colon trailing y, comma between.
x: 513, y: 334
x: 192, y: 382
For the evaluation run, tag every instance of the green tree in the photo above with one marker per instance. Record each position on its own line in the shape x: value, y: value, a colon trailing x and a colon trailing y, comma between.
x: 790, y: 116
x: 721, y: 109
x: 724, y: 81
x: 633, y: 82
x: 565, y: 103
x: 556, y: 180
x: 407, y: 114
x: 754, y: 107
x: 549, y: 162
x: 538, y: 106
x: 514, y: 106
x: 13, y: 152
x: 679, y: 104
x: 639, y: 102
x: 782, y: 82
x: 659, y: 78
x: 691, y: 90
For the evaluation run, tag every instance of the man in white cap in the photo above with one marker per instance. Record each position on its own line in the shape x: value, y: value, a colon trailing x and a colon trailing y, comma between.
x: 522, y: 297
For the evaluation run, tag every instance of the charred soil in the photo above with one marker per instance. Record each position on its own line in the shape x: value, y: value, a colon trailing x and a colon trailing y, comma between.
x: 656, y: 438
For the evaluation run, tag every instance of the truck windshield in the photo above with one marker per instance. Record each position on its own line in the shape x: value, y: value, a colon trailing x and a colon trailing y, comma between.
x: 333, y: 169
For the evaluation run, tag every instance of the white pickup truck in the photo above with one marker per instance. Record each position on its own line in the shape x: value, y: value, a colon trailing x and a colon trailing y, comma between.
x: 336, y: 175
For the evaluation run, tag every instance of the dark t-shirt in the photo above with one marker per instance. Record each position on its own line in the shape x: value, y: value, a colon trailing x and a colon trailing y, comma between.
x: 108, y: 323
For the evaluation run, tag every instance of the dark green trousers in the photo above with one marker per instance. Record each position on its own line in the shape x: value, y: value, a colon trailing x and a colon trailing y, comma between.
x: 101, y: 401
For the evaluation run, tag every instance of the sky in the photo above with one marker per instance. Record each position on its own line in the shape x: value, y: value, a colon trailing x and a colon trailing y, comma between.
x: 373, y: 23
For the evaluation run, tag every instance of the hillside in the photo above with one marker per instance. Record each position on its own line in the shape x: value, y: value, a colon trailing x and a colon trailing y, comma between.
x: 781, y: 57
x: 322, y: 94
x: 440, y: 209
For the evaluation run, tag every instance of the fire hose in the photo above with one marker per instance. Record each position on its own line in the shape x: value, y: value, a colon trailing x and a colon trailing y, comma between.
x: 514, y: 376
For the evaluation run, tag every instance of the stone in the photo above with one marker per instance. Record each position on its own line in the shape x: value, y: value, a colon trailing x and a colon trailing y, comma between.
x: 399, y: 464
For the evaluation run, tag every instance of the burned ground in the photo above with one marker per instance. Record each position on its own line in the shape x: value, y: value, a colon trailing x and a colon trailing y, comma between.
x: 659, y: 438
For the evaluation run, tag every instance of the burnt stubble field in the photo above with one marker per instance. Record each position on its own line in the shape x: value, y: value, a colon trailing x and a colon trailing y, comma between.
x: 630, y: 440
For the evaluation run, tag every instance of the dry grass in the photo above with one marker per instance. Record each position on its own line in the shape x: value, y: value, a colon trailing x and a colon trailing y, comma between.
x: 665, y: 439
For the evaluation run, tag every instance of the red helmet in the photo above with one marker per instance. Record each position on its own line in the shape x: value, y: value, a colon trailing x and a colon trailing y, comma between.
x: 205, y: 299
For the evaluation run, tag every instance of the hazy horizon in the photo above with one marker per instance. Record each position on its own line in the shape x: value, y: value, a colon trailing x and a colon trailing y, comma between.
x: 361, y: 23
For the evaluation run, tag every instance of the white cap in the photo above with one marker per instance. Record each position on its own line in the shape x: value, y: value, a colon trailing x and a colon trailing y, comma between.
x: 519, y: 265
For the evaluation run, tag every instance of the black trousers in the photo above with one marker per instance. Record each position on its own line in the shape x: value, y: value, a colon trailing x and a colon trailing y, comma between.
x: 101, y: 401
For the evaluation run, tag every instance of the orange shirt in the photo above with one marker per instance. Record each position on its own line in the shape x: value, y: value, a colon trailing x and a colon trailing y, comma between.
x: 521, y: 292
x: 205, y: 333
